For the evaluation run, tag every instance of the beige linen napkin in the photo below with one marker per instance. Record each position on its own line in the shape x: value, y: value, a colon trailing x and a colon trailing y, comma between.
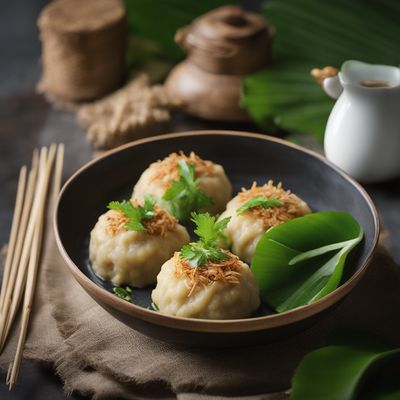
x: 98, y: 356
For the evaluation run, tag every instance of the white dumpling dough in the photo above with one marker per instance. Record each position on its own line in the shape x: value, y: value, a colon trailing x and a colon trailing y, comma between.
x: 130, y: 257
x: 245, y: 231
x: 217, y: 300
x: 157, y: 178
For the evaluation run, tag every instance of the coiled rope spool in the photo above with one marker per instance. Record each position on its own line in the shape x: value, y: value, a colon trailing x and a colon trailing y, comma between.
x: 83, y: 48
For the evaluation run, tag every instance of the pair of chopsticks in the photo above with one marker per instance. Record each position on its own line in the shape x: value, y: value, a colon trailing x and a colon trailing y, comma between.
x: 24, y: 247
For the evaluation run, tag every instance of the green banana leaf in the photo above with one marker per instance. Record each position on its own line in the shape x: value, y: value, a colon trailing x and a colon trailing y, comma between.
x: 353, y: 366
x: 159, y: 20
x: 300, y: 261
x: 312, y: 33
x: 284, y: 96
x: 384, y: 384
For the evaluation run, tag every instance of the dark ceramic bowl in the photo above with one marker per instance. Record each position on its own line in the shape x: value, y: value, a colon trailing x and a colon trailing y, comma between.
x: 246, y: 158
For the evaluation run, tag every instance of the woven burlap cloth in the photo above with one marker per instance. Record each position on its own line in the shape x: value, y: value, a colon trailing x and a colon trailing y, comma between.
x: 98, y: 356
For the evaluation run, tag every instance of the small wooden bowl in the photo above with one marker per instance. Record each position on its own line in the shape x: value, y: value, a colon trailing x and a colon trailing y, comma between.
x: 246, y: 157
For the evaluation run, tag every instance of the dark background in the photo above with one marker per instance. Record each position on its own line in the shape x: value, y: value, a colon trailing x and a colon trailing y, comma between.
x: 28, y: 121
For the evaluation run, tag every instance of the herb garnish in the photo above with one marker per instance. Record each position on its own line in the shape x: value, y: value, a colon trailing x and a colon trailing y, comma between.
x: 154, y: 306
x: 184, y: 195
x: 206, y: 249
x: 135, y: 215
x: 257, y: 202
x: 124, y: 294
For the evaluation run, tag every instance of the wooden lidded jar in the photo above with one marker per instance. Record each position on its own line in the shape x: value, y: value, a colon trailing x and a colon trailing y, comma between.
x: 222, y: 46
x: 83, y: 48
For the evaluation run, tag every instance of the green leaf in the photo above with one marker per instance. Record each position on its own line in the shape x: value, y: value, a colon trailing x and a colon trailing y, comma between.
x: 302, y: 260
x: 258, y: 202
x: 288, y: 96
x: 184, y: 195
x: 309, y: 31
x: 307, y: 255
x: 209, y: 230
x: 148, y: 207
x: 384, y: 384
x: 194, y: 255
x: 135, y: 215
x: 340, y: 370
x: 308, y: 35
x: 206, y: 249
x: 198, y: 254
x: 175, y: 190
x: 124, y: 294
x: 158, y: 21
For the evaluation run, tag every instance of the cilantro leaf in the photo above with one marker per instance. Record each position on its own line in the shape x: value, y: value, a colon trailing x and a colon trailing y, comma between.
x: 197, y: 254
x: 208, y: 228
x: 184, y: 195
x: 124, y: 294
x: 193, y: 254
x: 257, y: 202
x: 206, y: 249
x: 135, y: 215
x: 148, y: 207
x: 186, y: 171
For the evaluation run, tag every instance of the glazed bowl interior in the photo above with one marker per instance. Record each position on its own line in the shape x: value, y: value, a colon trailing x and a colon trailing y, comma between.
x: 246, y: 158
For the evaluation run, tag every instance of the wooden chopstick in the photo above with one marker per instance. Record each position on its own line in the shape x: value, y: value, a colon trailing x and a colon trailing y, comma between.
x: 45, y: 165
x: 20, y: 243
x: 14, y: 230
x: 19, y: 227
x: 12, y: 374
x: 58, y: 171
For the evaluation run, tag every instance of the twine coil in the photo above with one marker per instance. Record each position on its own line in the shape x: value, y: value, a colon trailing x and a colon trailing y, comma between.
x: 83, y: 48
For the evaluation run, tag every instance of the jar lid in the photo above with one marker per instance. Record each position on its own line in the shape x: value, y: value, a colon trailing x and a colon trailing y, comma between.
x: 228, y: 22
x: 228, y: 39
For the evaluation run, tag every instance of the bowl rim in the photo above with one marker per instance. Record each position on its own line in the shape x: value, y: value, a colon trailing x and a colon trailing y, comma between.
x: 207, y: 325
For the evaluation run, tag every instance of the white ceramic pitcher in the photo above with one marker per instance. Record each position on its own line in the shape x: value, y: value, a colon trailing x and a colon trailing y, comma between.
x: 363, y: 132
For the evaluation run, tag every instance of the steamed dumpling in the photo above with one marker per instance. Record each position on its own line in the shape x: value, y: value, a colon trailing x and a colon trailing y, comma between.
x: 213, y: 292
x: 244, y: 231
x: 211, y: 179
x: 128, y: 257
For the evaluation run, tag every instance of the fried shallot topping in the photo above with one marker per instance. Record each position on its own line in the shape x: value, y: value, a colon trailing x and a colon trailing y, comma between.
x: 116, y: 221
x: 167, y: 169
x: 159, y: 225
x: 292, y: 205
x: 227, y: 271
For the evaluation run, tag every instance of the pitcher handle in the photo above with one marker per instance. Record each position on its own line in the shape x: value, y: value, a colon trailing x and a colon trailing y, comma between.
x: 332, y: 87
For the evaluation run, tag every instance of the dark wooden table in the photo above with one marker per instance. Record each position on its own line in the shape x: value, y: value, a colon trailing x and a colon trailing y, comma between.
x: 28, y: 121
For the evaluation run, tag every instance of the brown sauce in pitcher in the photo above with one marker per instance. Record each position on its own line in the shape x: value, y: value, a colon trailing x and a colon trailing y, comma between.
x: 373, y: 83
